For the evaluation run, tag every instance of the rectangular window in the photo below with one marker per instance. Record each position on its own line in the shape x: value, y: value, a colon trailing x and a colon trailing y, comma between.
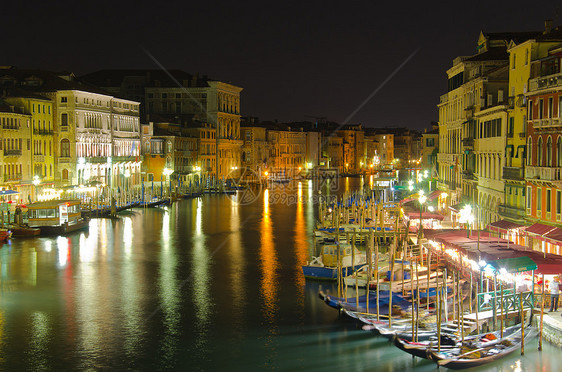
x: 558, y: 202
x: 63, y: 99
x: 548, y: 192
x: 550, y: 107
x: 539, y: 199
x: 541, y: 108
x: 530, y: 110
x: 511, y: 127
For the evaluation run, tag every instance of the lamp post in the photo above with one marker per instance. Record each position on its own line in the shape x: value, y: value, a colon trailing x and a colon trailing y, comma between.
x: 127, y: 175
x: 466, y: 217
x: 36, y: 182
x: 167, y: 172
x: 421, y: 198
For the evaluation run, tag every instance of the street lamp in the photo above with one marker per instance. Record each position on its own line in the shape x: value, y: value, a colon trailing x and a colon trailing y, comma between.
x: 36, y: 182
x: 127, y: 175
x: 422, y: 199
x: 466, y: 217
x: 167, y: 172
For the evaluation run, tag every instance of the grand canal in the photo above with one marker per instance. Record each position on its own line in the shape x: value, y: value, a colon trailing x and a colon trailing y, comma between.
x: 208, y: 284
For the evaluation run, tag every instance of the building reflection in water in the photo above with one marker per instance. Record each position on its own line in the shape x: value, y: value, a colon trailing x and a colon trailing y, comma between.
x: 269, y: 266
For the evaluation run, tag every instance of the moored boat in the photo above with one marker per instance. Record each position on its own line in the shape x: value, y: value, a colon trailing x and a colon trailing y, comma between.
x: 326, y: 267
x: 56, y: 217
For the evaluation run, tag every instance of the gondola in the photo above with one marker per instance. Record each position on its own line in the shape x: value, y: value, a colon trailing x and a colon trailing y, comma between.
x: 468, y: 356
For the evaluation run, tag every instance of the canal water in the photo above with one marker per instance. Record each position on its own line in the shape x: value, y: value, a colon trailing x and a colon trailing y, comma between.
x: 208, y: 284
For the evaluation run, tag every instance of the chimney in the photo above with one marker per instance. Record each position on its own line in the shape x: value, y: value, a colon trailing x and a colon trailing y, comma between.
x: 547, y: 26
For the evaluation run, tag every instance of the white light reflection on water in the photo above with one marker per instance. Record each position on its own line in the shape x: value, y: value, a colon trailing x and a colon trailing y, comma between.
x: 201, y: 282
x: 62, y: 251
x: 131, y: 284
x: 38, y: 346
x: 169, y: 294
x: 237, y: 266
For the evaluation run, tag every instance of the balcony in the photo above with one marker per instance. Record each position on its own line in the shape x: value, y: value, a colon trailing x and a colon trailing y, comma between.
x: 546, y: 123
x: 513, y: 173
x: 444, y: 98
x: 12, y: 152
x: 468, y: 175
x: 543, y: 173
x: 12, y: 177
x: 43, y: 132
x: 468, y: 142
x: 544, y: 82
x: 511, y: 212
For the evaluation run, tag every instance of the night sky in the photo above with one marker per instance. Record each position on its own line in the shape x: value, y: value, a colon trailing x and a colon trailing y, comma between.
x: 293, y: 59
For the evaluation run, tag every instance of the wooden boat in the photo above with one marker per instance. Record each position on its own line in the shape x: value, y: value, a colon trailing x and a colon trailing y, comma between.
x: 57, y: 217
x: 24, y: 231
x: 325, y: 266
x: 468, y: 356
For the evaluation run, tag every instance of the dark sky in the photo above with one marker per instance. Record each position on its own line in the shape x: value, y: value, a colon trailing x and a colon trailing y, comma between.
x: 293, y: 59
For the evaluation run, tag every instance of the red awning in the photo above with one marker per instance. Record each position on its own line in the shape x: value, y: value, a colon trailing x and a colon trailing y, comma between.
x: 425, y: 216
x: 555, y: 235
x: 539, y: 229
x: 504, y: 225
x: 434, y: 195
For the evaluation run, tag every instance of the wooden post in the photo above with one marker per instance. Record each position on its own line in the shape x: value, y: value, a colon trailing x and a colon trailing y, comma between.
x: 417, y: 303
x: 377, y: 275
x: 428, y: 275
x: 522, y: 324
x: 445, y: 294
x: 462, y: 313
x: 542, y: 312
x: 390, y: 291
x: 413, y: 303
x: 354, y: 272
x: 501, y: 310
x: 438, y: 309
x: 476, y: 312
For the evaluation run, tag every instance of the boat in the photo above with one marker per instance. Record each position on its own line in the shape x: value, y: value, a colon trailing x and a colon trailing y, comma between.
x: 5, y: 234
x: 325, y: 266
x: 24, y: 231
x: 449, y: 341
x: 471, y: 355
x: 56, y: 217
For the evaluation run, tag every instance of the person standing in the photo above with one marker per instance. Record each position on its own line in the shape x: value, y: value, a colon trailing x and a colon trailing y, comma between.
x: 554, y: 292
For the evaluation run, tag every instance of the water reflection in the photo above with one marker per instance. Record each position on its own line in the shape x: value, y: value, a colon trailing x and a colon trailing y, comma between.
x: 169, y: 294
x: 38, y: 346
x: 201, y: 283
x: 237, y: 266
x: 301, y: 247
x: 269, y: 263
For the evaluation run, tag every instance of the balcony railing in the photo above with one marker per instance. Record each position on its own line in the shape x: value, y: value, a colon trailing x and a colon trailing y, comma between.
x: 13, y: 177
x: 468, y: 174
x: 12, y: 152
x: 510, y: 211
x: 544, y: 173
x: 44, y: 131
x: 513, y: 173
x: 444, y: 98
x: 546, y: 122
x: 543, y: 82
x: 468, y: 142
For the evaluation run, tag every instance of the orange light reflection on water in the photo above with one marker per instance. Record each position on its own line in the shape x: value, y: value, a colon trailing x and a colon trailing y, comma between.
x: 301, y: 247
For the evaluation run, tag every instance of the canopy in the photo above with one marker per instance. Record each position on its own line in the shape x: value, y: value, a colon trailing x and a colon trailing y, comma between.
x: 425, y: 216
x: 456, y: 208
x: 539, y: 229
x: 433, y: 195
x: 504, y: 225
x: 8, y: 192
x: 513, y: 265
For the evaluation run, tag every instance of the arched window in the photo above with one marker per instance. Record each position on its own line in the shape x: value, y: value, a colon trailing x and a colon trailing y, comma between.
x: 65, y: 148
x: 559, y: 152
x: 65, y: 174
x: 529, y: 150
x: 549, y: 152
x: 539, y: 153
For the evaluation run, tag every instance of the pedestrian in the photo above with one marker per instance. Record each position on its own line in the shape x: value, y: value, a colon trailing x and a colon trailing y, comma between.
x: 554, y: 292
